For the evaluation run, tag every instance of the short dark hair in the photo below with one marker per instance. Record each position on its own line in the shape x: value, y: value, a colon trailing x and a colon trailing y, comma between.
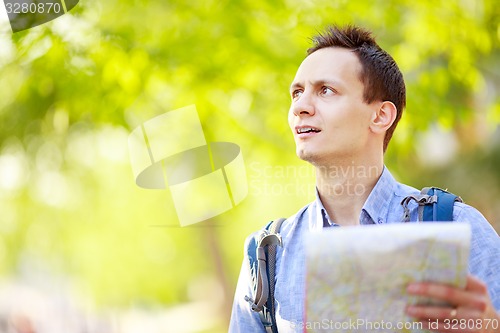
x: 380, y: 74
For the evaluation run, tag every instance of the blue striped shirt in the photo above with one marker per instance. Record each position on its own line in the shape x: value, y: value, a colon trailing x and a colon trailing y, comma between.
x: 383, y: 205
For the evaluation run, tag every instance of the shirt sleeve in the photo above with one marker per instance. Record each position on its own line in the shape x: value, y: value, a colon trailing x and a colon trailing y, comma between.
x: 243, y: 319
x: 484, y: 260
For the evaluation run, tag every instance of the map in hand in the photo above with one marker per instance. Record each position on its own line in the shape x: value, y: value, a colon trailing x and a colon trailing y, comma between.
x: 356, y: 277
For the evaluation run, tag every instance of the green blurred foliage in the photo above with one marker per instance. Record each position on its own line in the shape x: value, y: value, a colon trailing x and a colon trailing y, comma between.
x: 71, y: 92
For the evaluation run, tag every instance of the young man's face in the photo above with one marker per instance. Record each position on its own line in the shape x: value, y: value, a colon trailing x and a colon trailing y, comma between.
x: 327, y: 97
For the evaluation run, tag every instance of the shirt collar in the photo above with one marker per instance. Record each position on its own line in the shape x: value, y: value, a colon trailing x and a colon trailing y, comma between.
x: 321, y: 214
x: 374, y: 210
x: 376, y: 207
x: 317, y: 216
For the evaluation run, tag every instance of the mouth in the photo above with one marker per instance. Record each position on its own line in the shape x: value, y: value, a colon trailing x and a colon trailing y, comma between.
x: 304, y: 130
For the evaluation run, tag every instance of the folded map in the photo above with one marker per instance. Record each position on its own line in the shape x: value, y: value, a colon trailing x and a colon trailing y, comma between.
x: 356, y: 277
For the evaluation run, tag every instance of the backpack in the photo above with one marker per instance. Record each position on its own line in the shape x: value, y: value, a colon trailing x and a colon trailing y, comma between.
x: 261, y: 251
x: 434, y: 204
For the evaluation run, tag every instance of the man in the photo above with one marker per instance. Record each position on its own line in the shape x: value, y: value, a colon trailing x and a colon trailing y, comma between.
x: 347, y: 98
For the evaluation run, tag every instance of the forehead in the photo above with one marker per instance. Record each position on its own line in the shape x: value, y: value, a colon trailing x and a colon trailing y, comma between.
x: 331, y: 63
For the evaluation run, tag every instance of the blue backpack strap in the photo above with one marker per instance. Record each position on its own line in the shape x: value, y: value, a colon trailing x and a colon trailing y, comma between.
x: 442, y: 208
x: 261, y: 252
x: 434, y: 204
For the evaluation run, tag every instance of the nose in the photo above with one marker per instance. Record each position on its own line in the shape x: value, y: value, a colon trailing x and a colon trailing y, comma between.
x: 303, y: 106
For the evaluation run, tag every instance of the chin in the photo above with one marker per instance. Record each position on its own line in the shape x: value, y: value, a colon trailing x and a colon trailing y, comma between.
x: 305, y: 155
x: 317, y: 158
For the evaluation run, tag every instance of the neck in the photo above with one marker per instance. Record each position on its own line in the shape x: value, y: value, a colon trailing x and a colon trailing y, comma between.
x: 344, y: 187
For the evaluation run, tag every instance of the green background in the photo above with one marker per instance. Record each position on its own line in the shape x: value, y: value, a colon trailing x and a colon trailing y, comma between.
x: 72, y: 220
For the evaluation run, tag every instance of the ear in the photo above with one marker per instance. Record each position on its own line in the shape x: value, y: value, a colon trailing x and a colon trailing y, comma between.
x: 383, y: 117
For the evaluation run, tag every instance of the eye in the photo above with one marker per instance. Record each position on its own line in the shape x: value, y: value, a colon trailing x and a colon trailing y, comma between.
x: 296, y: 94
x: 327, y: 91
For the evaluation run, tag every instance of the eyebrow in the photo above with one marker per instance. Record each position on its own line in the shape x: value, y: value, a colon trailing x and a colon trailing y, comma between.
x: 315, y: 83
